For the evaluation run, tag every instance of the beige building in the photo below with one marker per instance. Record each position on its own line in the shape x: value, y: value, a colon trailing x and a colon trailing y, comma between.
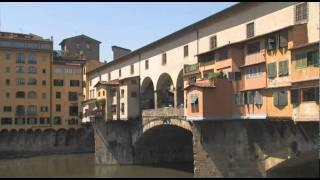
x: 160, y: 64
x: 25, y: 69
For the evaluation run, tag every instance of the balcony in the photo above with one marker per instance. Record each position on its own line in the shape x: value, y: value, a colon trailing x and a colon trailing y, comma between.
x: 162, y: 113
x: 191, y: 69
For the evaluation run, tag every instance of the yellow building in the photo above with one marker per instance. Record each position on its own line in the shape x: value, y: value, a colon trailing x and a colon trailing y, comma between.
x: 25, y: 69
x: 67, y: 84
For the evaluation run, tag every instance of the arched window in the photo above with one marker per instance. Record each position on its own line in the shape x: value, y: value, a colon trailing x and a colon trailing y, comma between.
x: 32, y: 110
x: 20, y: 94
x: 32, y: 95
x: 20, y: 110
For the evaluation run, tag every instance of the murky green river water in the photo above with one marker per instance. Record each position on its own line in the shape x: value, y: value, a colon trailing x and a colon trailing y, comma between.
x: 82, y: 165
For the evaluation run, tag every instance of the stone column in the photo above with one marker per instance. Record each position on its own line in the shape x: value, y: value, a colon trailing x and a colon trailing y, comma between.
x: 155, y: 100
x: 118, y: 101
x: 175, y: 97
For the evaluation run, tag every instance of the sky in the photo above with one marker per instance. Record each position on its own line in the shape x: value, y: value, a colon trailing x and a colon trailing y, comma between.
x: 128, y: 25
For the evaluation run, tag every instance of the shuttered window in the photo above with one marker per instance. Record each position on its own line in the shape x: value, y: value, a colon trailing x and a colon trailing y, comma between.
x: 213, y: 42
x: 272, y: 70
x: 280, y: 98
x: 258, y: 98
x: 301, y: 61
x: 250, y: 30
x: 250, y: 97
x: 271, y: 43
x: 295, y: 96
x: 283, y: 68
x: 194, y: 103
x: 313, y: 58
x: 283, y: 39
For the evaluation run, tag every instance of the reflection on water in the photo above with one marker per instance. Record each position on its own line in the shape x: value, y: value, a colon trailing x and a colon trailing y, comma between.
x: 83, y: 165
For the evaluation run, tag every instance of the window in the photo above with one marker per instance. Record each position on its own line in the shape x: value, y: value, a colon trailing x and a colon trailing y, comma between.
x: 213, y: 42
x: 164, y: 58
x: 44, y: 120
x: 99, y: 94
x: 186, y: 51
x: 19, y: 69
x: 44, y: 95
x: 295, y: 96
x: 122, y: 108
x: 78, y: 46
x: 240, y: 98
x: 43, y: 71
x: 58, y: 82
x: 301, y: 12
x: 44, y: 82
x: 58, y: 95
x: 114, y: 109
x: 20, y: 110
x: 73, y: 96
x: 7, y: 109
x: 253, y: 71
x: 223, y: 54
x: 280, y: 98
x: 122, y: 93
x: 258, y: 98
x: 109, y: 76
x: 7, y: 94
x: 192, y: 80
x: 32, y: 110
x: 272, y: 70
x: 88, y: 46
x: 32, y: 95
x: 250, y: 97
x: 147, y: 64
x: 32, y: 70
x: 58, y: 107
x: 44, y: 108
x: 57, y: 120
x: 7, y: 81
x: 72, y: 121
x: 133, y: 94
x: 283, y: 68
x: 19, y: 121
x: 283, y: 39
x: 32, y: 59
x: 32, y: 121
x: 119, y: 72
x: 20, y: 58
x: 32, y: 81
x: 234, y: 76
x: 307, y: 59
x: 73, y: 111
x: 207, y: 57
x: 271, y: 43
x: 20, y: 81
x: 132, y: 68
x: 7, y: 69
x: 310, y: 94
x: 194, y: 103
x: 250, y: 30
x: 253, y: 47
x: 74, y: 83
x: 6, y: 121
x: 19, y: 44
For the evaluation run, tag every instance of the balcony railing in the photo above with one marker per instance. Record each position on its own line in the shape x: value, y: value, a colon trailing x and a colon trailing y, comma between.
x: 162, y: 114
x: 192, y: 68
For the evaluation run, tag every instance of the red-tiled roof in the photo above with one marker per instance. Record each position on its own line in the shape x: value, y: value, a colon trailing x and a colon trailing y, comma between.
x: 108, y: 83
x: 202, y: 84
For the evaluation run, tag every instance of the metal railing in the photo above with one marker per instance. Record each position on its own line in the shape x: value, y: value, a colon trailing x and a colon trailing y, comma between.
x: 164, y: 114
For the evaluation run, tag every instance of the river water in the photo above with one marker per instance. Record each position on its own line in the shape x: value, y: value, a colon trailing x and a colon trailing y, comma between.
x: 83, y: 165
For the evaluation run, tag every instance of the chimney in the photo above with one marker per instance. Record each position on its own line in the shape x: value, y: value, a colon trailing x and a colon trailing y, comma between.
x: 119, y: 51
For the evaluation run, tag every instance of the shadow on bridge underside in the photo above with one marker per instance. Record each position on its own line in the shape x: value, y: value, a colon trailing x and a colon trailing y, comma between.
x: 165, y: 146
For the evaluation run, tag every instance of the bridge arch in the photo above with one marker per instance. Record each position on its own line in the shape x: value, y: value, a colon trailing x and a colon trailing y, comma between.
x: 147, y: 93
x: 163, y: 142
x: 165, y: 91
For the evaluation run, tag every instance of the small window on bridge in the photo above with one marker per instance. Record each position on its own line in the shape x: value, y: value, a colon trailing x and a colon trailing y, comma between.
x: 194, y: 103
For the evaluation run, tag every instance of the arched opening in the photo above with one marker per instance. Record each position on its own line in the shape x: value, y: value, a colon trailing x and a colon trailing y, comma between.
x: 147, y: 94
x: 180, y: 90
x: 305, y: 165
x: 165, y: 91
x: 167, y: 146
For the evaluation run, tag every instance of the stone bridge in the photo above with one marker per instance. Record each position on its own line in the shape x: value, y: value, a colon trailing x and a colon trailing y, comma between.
x: 237, y: 148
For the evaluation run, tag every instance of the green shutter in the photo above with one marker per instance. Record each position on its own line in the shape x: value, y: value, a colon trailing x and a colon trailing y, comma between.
x: 283, y: 39
x: 316, y: 60
x: 301, y: 61
x: 283, y: 98
x: 280, y: 68
x: 285, y: 67
x: 275, y: 98
x: 272, y: 70
x: 258, y: 98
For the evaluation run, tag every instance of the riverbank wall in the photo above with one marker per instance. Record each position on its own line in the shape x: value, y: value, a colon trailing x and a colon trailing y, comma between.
x: 23, y: 143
